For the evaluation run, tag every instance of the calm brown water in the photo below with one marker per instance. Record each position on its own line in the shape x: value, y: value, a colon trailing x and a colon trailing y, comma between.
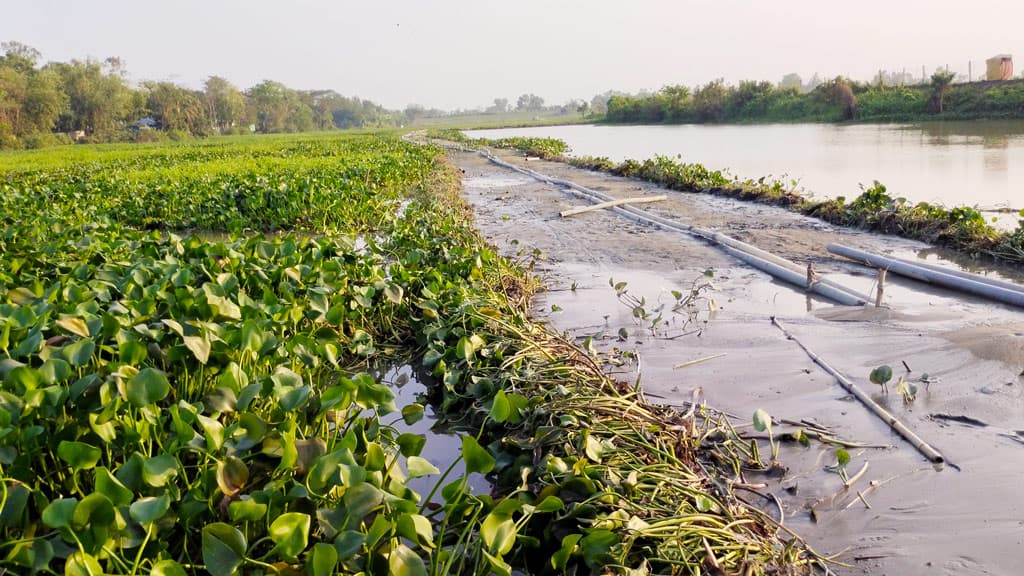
x: 978, y: 163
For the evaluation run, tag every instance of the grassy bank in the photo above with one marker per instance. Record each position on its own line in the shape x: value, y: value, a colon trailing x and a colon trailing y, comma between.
x: 186, y: 338
x: 963, y: 229
x: 836, y: 100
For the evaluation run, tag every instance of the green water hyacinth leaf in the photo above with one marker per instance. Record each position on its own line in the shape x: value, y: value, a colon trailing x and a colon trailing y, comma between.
x: 151, y: 509
x: 881, y: 375
x: 411, y: 444
x: 147, y: 387
x: 420, y: 467
x: 500, y: 407
x: 762, y: 421
x: 132, y: 352
x: 290, y: 532
x: 232, y: 475
x: 498, y: 529
x: 246, y: 510
x: 322, y: 560
x: 55, y: 371
x: 58, y: 513
x: 394, y: 292
x: 402, y: 561
x: 464, y: 349
x: 199, y: 346
x: 224, y: 548
x: 412, y: 413
x: 94, y: 510
x: 74, y: 325
x: 476, y: 457
x: 361, y: 499
x: 108, y: 485
x: 13, y: 505
x: 79, y: 455
x: 167, y: 568
x: 79, y: 353
x: 416, y: 528
x: 82, y: 564
x: 159, y: 470
x: 23, y: 378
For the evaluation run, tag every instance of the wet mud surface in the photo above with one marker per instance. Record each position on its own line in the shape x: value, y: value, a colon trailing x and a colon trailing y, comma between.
x: 964, y: 355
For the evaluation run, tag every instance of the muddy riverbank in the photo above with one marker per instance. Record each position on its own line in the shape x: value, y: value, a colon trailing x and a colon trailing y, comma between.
x: 967, y: 518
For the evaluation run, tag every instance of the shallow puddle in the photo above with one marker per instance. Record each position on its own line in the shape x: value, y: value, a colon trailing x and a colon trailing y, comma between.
x: 443, y: 446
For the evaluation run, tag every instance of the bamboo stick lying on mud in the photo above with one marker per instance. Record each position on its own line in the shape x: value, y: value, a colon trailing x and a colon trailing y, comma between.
x: 923, y: 447
x: 619, y: 202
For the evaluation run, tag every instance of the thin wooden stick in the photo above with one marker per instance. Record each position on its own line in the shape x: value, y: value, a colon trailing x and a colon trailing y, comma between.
x: 880, y: 291
x: 689, y: 363
x: 923, y: 447
x: 612, y: 203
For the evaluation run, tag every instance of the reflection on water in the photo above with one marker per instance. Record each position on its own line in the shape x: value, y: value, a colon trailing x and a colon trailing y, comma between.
x: 975, y: 163
x: 443, y: 446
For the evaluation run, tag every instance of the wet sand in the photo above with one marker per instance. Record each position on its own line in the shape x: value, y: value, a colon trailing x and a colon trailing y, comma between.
x: 964, y: 518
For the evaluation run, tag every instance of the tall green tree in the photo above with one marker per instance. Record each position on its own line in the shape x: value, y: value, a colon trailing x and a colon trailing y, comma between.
x: 225, y: 104
x: 99, y: 102
x: 176, y: 107
x: 941, y: 82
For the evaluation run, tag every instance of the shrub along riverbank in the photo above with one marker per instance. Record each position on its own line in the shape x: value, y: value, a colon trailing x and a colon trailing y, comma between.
x: 186, y: 334
x: 835, y: 100
x: 963, y: 229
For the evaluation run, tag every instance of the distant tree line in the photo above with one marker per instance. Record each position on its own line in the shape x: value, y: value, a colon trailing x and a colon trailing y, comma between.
x: 42, y: 104
x: 837, y: 99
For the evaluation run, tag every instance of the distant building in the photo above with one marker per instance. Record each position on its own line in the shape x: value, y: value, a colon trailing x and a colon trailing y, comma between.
x: 146, y: 123
x: 999, y: 67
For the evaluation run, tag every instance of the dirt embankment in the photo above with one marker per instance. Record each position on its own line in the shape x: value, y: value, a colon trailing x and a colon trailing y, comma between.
x: 963, y: 355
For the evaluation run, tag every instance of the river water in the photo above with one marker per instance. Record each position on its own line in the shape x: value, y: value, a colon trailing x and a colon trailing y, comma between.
x: 977, y: 163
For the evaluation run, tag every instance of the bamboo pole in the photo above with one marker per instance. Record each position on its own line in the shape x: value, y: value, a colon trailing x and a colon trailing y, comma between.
x: 619, y: 202
x: 923, y: 447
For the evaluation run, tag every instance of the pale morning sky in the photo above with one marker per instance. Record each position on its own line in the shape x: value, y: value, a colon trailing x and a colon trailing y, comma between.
x: 464, y: 53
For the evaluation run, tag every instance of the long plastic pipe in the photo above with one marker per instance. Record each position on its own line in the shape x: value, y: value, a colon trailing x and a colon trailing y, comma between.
x: 964, y: 275
x: 931, y: 276
x: 775, y: 266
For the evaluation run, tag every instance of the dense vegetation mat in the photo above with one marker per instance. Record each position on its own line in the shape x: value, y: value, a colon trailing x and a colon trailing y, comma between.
x: 187, y: 341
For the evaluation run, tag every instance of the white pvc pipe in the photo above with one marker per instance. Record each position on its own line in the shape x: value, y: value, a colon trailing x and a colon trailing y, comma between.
x: 773, y: 265
x: 931, y: 276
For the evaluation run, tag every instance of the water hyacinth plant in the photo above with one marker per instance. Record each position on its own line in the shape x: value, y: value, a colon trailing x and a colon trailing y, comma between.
x: 188, y: 341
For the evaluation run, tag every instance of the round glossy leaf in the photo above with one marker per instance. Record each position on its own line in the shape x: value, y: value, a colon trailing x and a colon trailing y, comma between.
x: 322, y: 560
x: 246, y: 511
x: 157, y: 471
x: 223, y: 548
x: 762, y: 421
x: 404, y: 562
x: 361, y: 499
x: 290, y: 531
x: 148, y: 386
x: 79, y: 353
x: 94, y: 510
x: 78, y: 455
x: 149, y: 510
x: 881, y: 375
x: 420, y: 467
x: 108, y: 485
x: 500, y: 407
x: 81, y: 564
x: 55, y: 371
x: 476, y: 457
x: 232, y: 474
x: 167, y: 568
x: 59, y: 512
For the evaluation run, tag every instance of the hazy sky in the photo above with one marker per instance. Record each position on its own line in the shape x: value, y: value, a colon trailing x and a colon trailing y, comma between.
x: 464, y: 53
